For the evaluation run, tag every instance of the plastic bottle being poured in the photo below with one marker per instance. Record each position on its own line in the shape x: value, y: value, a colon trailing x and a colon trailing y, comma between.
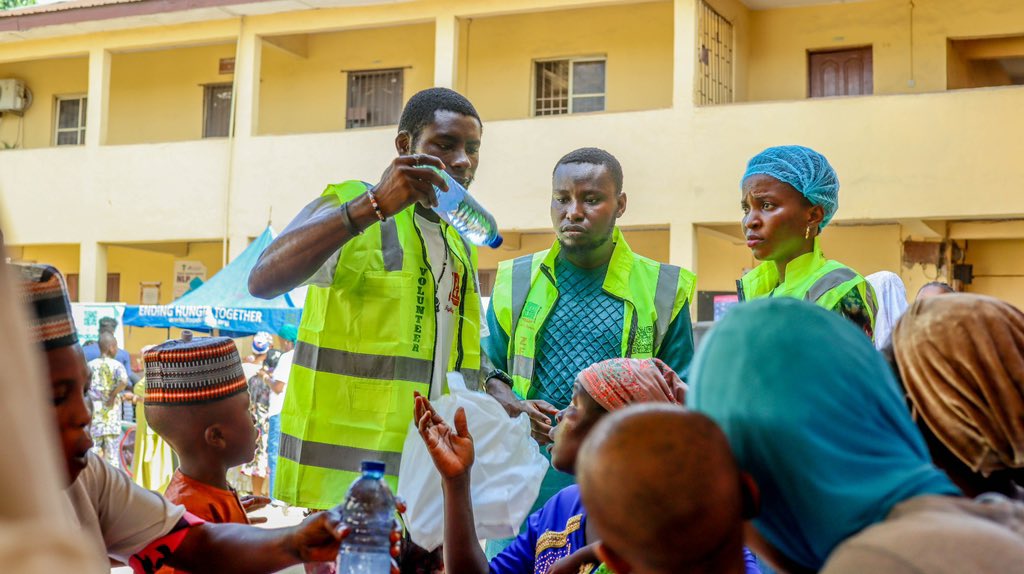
x: 457, y: 207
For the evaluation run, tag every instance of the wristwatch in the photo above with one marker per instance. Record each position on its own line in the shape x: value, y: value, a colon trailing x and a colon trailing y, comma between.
x: 501, y: 376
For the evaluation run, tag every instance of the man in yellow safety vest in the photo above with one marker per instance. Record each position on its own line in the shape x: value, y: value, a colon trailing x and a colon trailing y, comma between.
x: 392, y: 305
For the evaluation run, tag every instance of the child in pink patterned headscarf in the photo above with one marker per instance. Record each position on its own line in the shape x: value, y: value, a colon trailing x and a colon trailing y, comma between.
x: 557, y: 538
x: 616, y: 383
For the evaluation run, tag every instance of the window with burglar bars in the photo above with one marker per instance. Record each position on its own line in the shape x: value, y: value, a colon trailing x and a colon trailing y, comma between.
x: 374, y: 98
x: 569, y: 86
x: 70, y: 121
x: 216, y: 110
x: 714, y: 57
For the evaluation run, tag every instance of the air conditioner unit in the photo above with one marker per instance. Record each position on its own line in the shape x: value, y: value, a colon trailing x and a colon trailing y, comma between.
x: 12, y: 95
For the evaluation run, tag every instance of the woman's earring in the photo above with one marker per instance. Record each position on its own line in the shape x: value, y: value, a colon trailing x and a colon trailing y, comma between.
x: 807, y: 232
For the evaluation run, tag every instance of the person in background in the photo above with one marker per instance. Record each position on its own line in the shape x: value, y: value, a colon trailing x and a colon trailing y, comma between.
x: 847, y: 484
x: 153, y: 464
x: 92, y: 348
x: 789, y: 195
x: 934, y: 289
x: 92, y: 352
x: 664, y: 494
x: 260, y: 391
x: 109, y: 378
x: 278, y: 386
x: 892, y: 303
x: 961, y: 361
x: 262, y: 342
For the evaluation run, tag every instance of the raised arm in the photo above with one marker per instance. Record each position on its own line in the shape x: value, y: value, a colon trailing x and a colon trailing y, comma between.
x: 453, y: 454
x: 319, y: 230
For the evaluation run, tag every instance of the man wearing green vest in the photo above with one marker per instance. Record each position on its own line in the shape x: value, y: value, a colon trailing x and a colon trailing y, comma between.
x: 392, y: 305
x: 587, y: 299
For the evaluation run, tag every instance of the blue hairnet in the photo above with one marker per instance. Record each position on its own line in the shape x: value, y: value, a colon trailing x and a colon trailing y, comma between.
x: 803, y: 168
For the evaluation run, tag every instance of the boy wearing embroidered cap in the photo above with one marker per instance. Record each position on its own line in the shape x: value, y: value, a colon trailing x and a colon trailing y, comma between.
x: 197, y: 399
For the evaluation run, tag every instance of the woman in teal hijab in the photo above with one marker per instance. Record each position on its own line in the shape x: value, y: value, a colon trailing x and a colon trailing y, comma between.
x: 813, y: 413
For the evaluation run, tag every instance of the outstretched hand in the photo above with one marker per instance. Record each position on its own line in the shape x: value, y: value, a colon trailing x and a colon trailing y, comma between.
x: 451, y: 449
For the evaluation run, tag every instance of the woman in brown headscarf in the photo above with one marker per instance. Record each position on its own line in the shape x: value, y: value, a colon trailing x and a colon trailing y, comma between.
x: 961, y: 360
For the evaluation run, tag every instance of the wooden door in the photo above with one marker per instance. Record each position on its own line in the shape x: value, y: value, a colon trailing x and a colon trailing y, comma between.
x: 113, y: 287
x: 840, y: 73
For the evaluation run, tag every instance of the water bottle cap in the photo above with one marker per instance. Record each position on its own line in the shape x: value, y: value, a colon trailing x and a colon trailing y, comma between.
x: 373, y: 466
x: 496, y: 242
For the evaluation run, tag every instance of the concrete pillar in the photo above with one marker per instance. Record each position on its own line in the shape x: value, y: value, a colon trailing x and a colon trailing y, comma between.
x: 682, y: 249
x: 247, y: 82
x: 92, y: 272
x: 248, y: 55
x: 99, y: 99
x: 446, y: 51
x: 684, y: 55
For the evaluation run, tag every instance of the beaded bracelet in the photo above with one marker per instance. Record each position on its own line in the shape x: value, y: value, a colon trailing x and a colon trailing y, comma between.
x: 376, y: 206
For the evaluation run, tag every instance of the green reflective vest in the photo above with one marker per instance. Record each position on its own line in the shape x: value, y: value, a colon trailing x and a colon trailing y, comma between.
x: 364, y: 345
x: 810, y: 277
x: 526, y: 289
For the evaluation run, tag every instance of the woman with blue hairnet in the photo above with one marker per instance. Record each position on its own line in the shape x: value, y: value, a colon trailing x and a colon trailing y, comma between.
x: 790, y: 194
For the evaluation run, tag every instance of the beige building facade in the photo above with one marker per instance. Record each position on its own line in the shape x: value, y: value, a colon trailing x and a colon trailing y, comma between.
x: 153, y: 133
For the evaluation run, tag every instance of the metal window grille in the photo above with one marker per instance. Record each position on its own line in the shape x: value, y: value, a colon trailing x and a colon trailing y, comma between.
x: 714, y: 57
x: 569, y: 86
x: 216, y: 110
x: 70, y: 120
x: 374, y: 98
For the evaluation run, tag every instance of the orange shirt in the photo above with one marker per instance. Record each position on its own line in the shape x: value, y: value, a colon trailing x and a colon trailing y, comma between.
x: 207, y: 502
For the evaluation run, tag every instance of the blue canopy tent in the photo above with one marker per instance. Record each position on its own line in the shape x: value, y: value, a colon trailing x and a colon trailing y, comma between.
x: 224, y: 302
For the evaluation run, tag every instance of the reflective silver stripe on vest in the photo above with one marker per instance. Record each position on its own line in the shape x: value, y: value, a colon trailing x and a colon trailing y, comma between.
x: 380, y: 367
x: 521, y: 267
x: 522, y: 367
x: 828, y: 282
x: 664, y: 301
x: 335, y: 457
x: 872, y: 302
x: 390, y: 246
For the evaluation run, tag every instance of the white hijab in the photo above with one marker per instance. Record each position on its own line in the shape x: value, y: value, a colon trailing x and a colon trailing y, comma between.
x: 892, y: 303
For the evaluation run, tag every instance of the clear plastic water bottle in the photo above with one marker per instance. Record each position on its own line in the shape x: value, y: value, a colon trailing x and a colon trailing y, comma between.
x: 465, y: 214
x: 369, y: 511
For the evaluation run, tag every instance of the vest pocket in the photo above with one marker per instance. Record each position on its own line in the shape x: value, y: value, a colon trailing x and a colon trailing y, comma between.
x: 384, y: 303
x: 372, y: 398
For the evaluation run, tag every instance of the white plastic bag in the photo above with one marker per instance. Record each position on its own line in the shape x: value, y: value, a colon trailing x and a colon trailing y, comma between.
x: 506, y: 474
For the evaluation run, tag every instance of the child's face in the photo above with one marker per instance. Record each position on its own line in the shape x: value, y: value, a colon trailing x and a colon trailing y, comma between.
x: 239, y: 428
x: 69, y: 379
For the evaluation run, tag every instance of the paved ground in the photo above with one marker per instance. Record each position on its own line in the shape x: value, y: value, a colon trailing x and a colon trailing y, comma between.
x: 276, y: 518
